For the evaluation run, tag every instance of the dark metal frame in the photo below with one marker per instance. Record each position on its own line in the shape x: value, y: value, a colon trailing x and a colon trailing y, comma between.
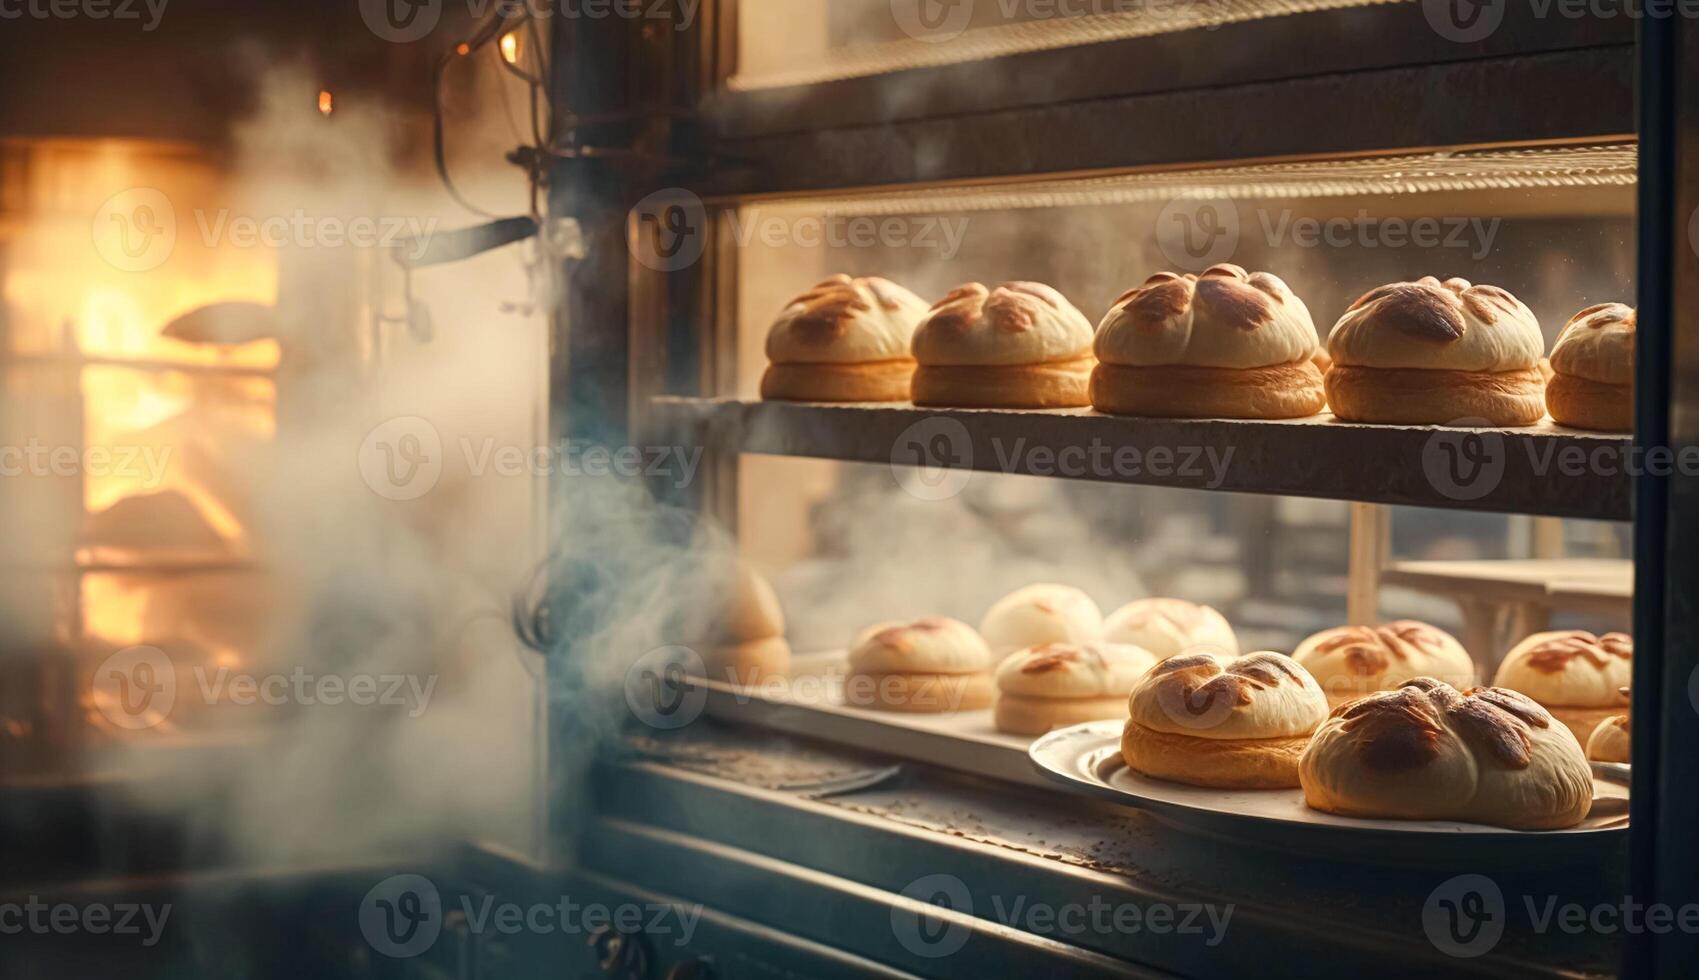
x: 1664, y: 849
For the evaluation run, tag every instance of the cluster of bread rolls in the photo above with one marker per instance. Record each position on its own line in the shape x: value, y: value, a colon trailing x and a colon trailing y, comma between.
x: 1225, y: 344
x: 1044, y: 653
x: 1408, y: 736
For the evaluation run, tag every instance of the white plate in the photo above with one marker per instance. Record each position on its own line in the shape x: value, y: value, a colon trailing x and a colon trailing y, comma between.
x: 1088, y: 757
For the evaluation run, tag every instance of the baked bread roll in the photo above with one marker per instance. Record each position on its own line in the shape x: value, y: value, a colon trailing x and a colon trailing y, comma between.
x: 845, y: 340
x: 1241, y: 725
x: 1039, y: 614
x: 1021, y: 345
x: 1577, y: 676
x: 1226, y: 344
x: 1062, y: 684
x: 1351, y: 661
x: 1611, y: 741
x: 1592, y: 381
x: 1428, y: 752
x: 1428, y: 352
x: 1167, y: 627
x: 749, y: 645
x: 930, y: 665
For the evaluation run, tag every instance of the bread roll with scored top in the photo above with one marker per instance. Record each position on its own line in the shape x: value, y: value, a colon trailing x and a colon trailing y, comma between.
x: 1239, y: 725
x: 1611, y: 741
x: 1038, y: 614
x: 933, y: 664
x: 1226, y: 344
x: 1062, y: 684
x: 1428, y: 352
x: 1021, y: 345
x: 1167, y: 627
x: 1351, y: 661
x: 1592, y: 380
x: 1576, y: 675
x: 845, y: 340
x: 1429, y: 752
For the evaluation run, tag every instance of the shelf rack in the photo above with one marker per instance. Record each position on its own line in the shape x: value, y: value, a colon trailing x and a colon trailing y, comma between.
x: 1405, y: 465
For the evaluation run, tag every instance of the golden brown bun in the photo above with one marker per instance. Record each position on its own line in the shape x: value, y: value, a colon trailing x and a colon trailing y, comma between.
x: 1598, y: 344
x: 1018, y: 323
x: 1224, y: 318
x: 1063, y: 671
x: 1060, y: 384
x: 749, y: 640
x: 1253, y: 763
x: 1061, y: 684
x: 1429, y: 752
x: 1322, y: 361
x: 1409, y: 396
x: 882, y: 381
x: 751, y: 662
x: 1351, y: 661
x: 1285, y: 391
x: 752, y: 611
x: 930, y: 645
x: 918, y: 693
x: 1611, y: 740
x: 1193, y: 719
x: 846, y: 321
x: 1584, y: 404
x: 1169, y: 627
x: 1453, y: 325
x: 1019, y: 715
x: 1041, y: 613
x: 1576, y: 675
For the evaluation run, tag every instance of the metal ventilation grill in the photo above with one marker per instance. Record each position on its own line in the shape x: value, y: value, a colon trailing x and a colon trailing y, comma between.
x: 1578, y: 167
x: 784, y: 63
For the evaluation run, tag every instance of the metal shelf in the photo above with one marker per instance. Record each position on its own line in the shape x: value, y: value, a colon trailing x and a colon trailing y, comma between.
x: 1373, y: 78
x: 1315, y: 457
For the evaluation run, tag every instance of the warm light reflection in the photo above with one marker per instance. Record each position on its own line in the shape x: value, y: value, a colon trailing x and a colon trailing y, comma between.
x: 510, y: 48
x: 327, y: 102
x: 156, y: 399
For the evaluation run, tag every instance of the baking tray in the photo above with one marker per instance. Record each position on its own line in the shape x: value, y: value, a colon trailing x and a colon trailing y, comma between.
x: 809, y: 702
x: 1087, y: 759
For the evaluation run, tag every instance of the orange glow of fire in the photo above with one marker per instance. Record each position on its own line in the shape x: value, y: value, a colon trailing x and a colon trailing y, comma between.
x: 66, y: 302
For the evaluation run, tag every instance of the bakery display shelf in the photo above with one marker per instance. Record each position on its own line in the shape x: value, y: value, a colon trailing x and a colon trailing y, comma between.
x: 808, y: 702
x: 1505, y: 470
x: 1597, y: 585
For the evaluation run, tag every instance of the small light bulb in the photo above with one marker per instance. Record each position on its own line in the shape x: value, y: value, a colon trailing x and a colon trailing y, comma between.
x: 327, y: 102
x: 510, y: 48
